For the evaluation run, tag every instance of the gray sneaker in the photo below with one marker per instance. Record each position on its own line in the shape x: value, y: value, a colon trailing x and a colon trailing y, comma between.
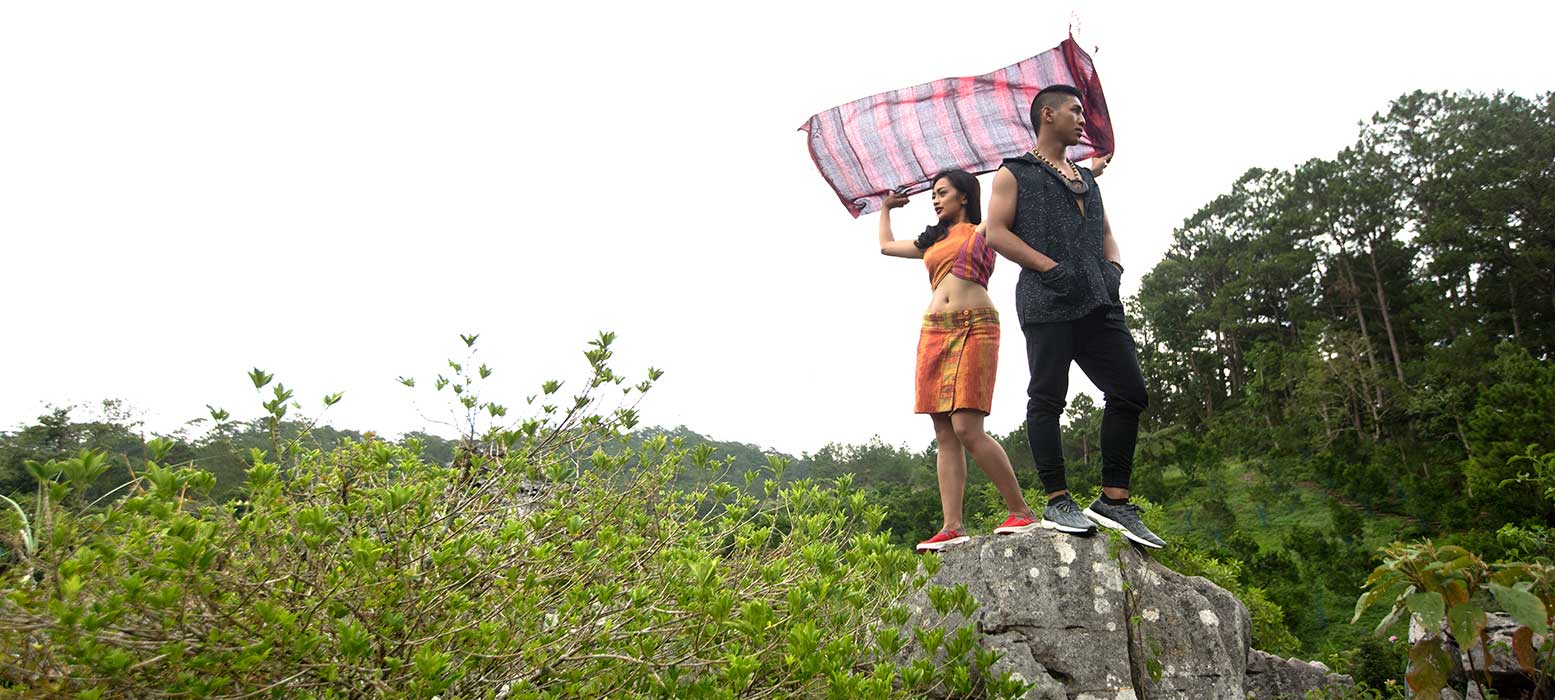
x: 1125, y: 519
x: 1064, y: 515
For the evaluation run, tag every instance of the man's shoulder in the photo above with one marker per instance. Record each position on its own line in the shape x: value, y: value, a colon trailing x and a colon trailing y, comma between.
x: 1023, y: 160
x: 1021, y: 169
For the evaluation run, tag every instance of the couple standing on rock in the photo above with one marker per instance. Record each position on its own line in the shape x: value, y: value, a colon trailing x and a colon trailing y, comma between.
x: 1046, y: 216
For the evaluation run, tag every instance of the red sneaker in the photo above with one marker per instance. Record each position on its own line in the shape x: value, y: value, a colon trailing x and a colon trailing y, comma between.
x: 1016, y: 524
x: 942, y: 539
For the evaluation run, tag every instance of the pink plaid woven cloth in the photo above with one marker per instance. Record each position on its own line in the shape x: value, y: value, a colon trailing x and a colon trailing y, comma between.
x: 901, y: 138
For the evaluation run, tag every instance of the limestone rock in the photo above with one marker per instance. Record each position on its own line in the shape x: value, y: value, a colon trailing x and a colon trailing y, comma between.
x: 1087, y: 618
x: 1270, y: 677
x: 1054, y: 604
x: 1191, y: 636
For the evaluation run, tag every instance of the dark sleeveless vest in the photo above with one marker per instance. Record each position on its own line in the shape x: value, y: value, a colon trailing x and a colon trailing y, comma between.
x: 1048, y: 219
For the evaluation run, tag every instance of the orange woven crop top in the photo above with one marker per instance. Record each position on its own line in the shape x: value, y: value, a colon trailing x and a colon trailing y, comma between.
x: 964, y: 253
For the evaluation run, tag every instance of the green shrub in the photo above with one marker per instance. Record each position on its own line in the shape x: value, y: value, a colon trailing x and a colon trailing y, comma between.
x: 1373, y: 662
x: 534, y: 565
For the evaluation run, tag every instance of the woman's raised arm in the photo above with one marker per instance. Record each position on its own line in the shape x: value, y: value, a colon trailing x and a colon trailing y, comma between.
x: 888, y: 243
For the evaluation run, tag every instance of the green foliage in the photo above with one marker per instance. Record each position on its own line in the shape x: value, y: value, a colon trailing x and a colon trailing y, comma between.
x: 1452, y: 585
x: 225, y: 449
x: 1375, y: 327
x: 1374, y: 663
x: 741, y: 457
x: 1512, y: 422
x: 367, y: 570
x: 1081, y: 438
x: 1534, y: 541
x: 58, y: 437
x: 1348, y: 312
x: 16, y: 521
x: 1391, y: 690
x: 874, y: 463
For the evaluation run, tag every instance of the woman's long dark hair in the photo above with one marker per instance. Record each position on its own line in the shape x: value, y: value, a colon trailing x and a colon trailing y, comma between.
x: 966, y: 184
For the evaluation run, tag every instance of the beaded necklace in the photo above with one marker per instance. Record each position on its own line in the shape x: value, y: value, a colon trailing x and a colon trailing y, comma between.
x: 1076, y: 184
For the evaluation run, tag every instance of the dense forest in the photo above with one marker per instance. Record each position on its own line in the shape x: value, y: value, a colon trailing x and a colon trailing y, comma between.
x: 1341, y: 355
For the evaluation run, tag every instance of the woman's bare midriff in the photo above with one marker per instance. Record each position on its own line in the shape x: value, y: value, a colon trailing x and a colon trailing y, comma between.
x: 956, y: 294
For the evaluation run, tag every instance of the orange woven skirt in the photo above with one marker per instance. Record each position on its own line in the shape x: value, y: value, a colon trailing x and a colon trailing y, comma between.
x: 958, y: 356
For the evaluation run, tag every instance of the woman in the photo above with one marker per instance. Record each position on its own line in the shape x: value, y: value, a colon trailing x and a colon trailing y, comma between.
x: 958, y: 351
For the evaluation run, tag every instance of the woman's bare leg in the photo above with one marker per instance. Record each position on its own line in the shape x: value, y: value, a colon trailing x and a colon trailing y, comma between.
x: 968, y: 429
x: 951, y: 468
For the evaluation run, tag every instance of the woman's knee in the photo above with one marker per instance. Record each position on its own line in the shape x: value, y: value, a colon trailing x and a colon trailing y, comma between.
x: 969, y: 432
x: 945, y: 432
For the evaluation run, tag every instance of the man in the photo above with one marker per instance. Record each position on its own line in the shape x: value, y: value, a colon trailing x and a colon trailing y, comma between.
x: 1046, y: 215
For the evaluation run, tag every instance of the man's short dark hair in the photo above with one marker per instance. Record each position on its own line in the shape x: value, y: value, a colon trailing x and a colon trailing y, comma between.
x: 1051, y: 97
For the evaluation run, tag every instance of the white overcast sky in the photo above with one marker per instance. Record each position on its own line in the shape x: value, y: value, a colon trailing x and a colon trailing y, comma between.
x: 334, y: 191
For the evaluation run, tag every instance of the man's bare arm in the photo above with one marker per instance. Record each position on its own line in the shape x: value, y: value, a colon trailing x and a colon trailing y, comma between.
x: 1001, y: 216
